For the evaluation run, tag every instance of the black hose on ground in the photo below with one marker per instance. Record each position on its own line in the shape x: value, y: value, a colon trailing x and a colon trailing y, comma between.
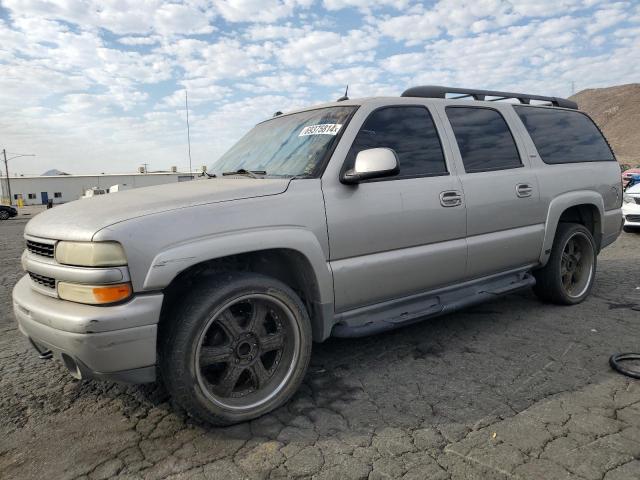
x: 615, y: 360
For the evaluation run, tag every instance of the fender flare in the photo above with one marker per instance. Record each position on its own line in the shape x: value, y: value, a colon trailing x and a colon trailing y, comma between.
x: 170, y: 262
x: 167, y: 264
x: 557, y: 206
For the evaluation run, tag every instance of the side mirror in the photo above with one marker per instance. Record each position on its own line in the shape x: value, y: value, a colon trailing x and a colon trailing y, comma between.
x: 372, y: 163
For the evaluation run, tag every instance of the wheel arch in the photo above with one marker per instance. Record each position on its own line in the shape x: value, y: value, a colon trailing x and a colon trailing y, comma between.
x: 583, y: 207
x: 293, y: 257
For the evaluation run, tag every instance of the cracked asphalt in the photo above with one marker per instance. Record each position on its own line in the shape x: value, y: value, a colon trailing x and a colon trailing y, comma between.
x: 509, y: 389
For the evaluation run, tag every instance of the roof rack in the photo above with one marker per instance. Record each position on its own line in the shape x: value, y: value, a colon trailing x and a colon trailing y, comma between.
x: 436, y: 91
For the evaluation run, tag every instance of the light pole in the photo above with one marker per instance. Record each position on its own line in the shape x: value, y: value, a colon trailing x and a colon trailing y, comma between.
x: 6, y: 167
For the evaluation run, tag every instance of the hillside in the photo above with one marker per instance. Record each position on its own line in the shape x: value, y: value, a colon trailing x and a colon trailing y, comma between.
x: 616, y: 110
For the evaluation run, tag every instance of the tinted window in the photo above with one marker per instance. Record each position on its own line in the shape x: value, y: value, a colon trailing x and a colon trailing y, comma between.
x: 410, y: 132
x: 484, y: 139
x: 562, y: 136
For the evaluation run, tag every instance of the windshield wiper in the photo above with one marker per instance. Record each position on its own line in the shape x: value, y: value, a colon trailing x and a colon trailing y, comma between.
x: 250, y: 173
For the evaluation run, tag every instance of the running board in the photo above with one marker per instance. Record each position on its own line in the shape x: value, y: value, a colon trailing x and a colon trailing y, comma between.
x: 397, y: 313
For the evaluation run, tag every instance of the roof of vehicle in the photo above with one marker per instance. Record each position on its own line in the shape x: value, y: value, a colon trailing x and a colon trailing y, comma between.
x: 439, y: 93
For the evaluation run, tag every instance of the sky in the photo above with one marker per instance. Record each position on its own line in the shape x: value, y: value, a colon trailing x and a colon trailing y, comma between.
x: 99, y: 86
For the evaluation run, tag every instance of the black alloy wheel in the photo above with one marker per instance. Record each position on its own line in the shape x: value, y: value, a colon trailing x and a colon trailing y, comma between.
x: 246, y: 351
x: 568, y: 276
x: 233, y: 346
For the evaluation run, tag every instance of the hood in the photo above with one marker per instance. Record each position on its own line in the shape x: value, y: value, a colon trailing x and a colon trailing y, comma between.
x: 81, y: 219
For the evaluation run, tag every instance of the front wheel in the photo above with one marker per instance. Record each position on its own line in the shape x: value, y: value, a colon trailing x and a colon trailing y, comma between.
x: 235, y: 348
x: 568, y: 276
x: 4, y: 215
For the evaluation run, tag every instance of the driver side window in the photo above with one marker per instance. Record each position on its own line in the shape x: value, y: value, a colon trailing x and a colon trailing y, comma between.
x: 410, y: 132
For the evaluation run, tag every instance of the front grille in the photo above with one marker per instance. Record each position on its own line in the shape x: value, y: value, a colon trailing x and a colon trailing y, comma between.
x: 633, y: 218
x: 47, y: 282
x: 37, y: 248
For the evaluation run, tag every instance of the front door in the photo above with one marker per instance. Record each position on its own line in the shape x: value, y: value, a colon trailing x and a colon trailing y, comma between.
x: 45, y: 197
x: 394, y: 236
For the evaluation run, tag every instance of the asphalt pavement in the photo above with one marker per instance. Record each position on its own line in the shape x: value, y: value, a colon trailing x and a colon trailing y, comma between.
x: 513, y: 388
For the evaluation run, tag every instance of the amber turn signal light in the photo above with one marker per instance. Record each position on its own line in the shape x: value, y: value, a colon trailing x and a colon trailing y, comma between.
x: 94, y: 294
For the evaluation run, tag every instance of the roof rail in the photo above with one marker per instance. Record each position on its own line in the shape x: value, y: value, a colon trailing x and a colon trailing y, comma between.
x: 436, y: 91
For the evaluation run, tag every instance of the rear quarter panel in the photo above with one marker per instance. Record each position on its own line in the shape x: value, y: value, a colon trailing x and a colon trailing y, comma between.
x: 569, y: 184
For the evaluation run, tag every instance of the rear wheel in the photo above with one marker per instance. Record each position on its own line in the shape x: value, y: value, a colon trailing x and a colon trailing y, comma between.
x: 568, y: 277
x: 4, y: 215
x: 235, y: 348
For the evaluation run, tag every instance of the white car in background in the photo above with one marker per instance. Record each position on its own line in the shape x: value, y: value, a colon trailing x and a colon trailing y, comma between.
x: 631, y: 208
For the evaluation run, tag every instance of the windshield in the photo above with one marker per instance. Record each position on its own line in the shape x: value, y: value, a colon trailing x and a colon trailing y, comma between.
x: 290, y: 145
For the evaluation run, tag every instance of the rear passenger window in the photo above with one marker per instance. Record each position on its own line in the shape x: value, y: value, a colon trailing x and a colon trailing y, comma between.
x: 563, y: 136
x: 484, y: 139
x: 410, y: 132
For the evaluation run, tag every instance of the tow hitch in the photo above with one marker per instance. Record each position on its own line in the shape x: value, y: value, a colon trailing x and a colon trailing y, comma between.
x: 44, y: 354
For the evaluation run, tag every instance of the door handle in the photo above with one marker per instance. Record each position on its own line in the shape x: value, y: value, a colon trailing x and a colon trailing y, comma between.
x: 524, y: 190
x: 450, y: 198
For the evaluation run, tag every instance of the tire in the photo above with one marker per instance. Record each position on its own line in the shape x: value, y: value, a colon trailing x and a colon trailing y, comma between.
x: 236, y: 347
x: 568, y: 276
x: 4, y: 215
x: 630, y: 229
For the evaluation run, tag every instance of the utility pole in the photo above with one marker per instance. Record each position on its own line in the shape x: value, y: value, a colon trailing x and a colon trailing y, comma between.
x: 6, y: 169
x: 186, y: 106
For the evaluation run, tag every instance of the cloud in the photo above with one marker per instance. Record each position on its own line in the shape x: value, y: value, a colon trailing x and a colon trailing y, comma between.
x: 318, y: 51
x: 224, y: 59
x: 455, y: 17
x: 365, y: 5
x: 95, y: 85
x: 273, y: 32
x: 133, y: 40
x: 258, y: 10
x: 543, y: 56
x: 121, y: 17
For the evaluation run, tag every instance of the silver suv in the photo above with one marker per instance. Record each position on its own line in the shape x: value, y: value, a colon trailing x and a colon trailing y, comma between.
x: 344, y: 219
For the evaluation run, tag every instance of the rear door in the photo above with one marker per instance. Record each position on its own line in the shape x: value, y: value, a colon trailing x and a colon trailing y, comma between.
x: 392, y: 237
x: 505, y: 218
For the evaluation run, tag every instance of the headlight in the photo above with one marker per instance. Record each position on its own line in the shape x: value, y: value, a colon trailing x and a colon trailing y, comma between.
x: 628, y: 198
x: 94, y: 294
x: 90, y: 254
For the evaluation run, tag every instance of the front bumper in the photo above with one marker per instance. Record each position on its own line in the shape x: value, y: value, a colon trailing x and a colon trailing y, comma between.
x: 631, y: 213
x: 115, y: 342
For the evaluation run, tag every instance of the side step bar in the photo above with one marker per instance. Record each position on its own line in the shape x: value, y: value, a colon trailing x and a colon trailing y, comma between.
x: 397, y: 313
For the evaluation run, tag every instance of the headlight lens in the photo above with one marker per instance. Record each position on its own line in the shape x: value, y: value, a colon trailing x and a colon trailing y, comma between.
x: 627, y: 198
x: 94, y: 294
x: 90, y: 254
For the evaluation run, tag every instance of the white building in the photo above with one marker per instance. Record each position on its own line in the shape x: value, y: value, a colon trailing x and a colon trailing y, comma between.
x: 36, y: 190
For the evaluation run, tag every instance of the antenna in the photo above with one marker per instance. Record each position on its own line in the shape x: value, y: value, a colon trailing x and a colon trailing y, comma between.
x: 344, y: 97
x: 186, y: 104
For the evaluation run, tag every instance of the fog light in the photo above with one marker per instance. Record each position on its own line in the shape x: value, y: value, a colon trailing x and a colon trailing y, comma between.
x: 94, y: 294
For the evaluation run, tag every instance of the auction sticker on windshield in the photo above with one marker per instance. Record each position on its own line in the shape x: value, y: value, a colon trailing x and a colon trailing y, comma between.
x: 321, y: 129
